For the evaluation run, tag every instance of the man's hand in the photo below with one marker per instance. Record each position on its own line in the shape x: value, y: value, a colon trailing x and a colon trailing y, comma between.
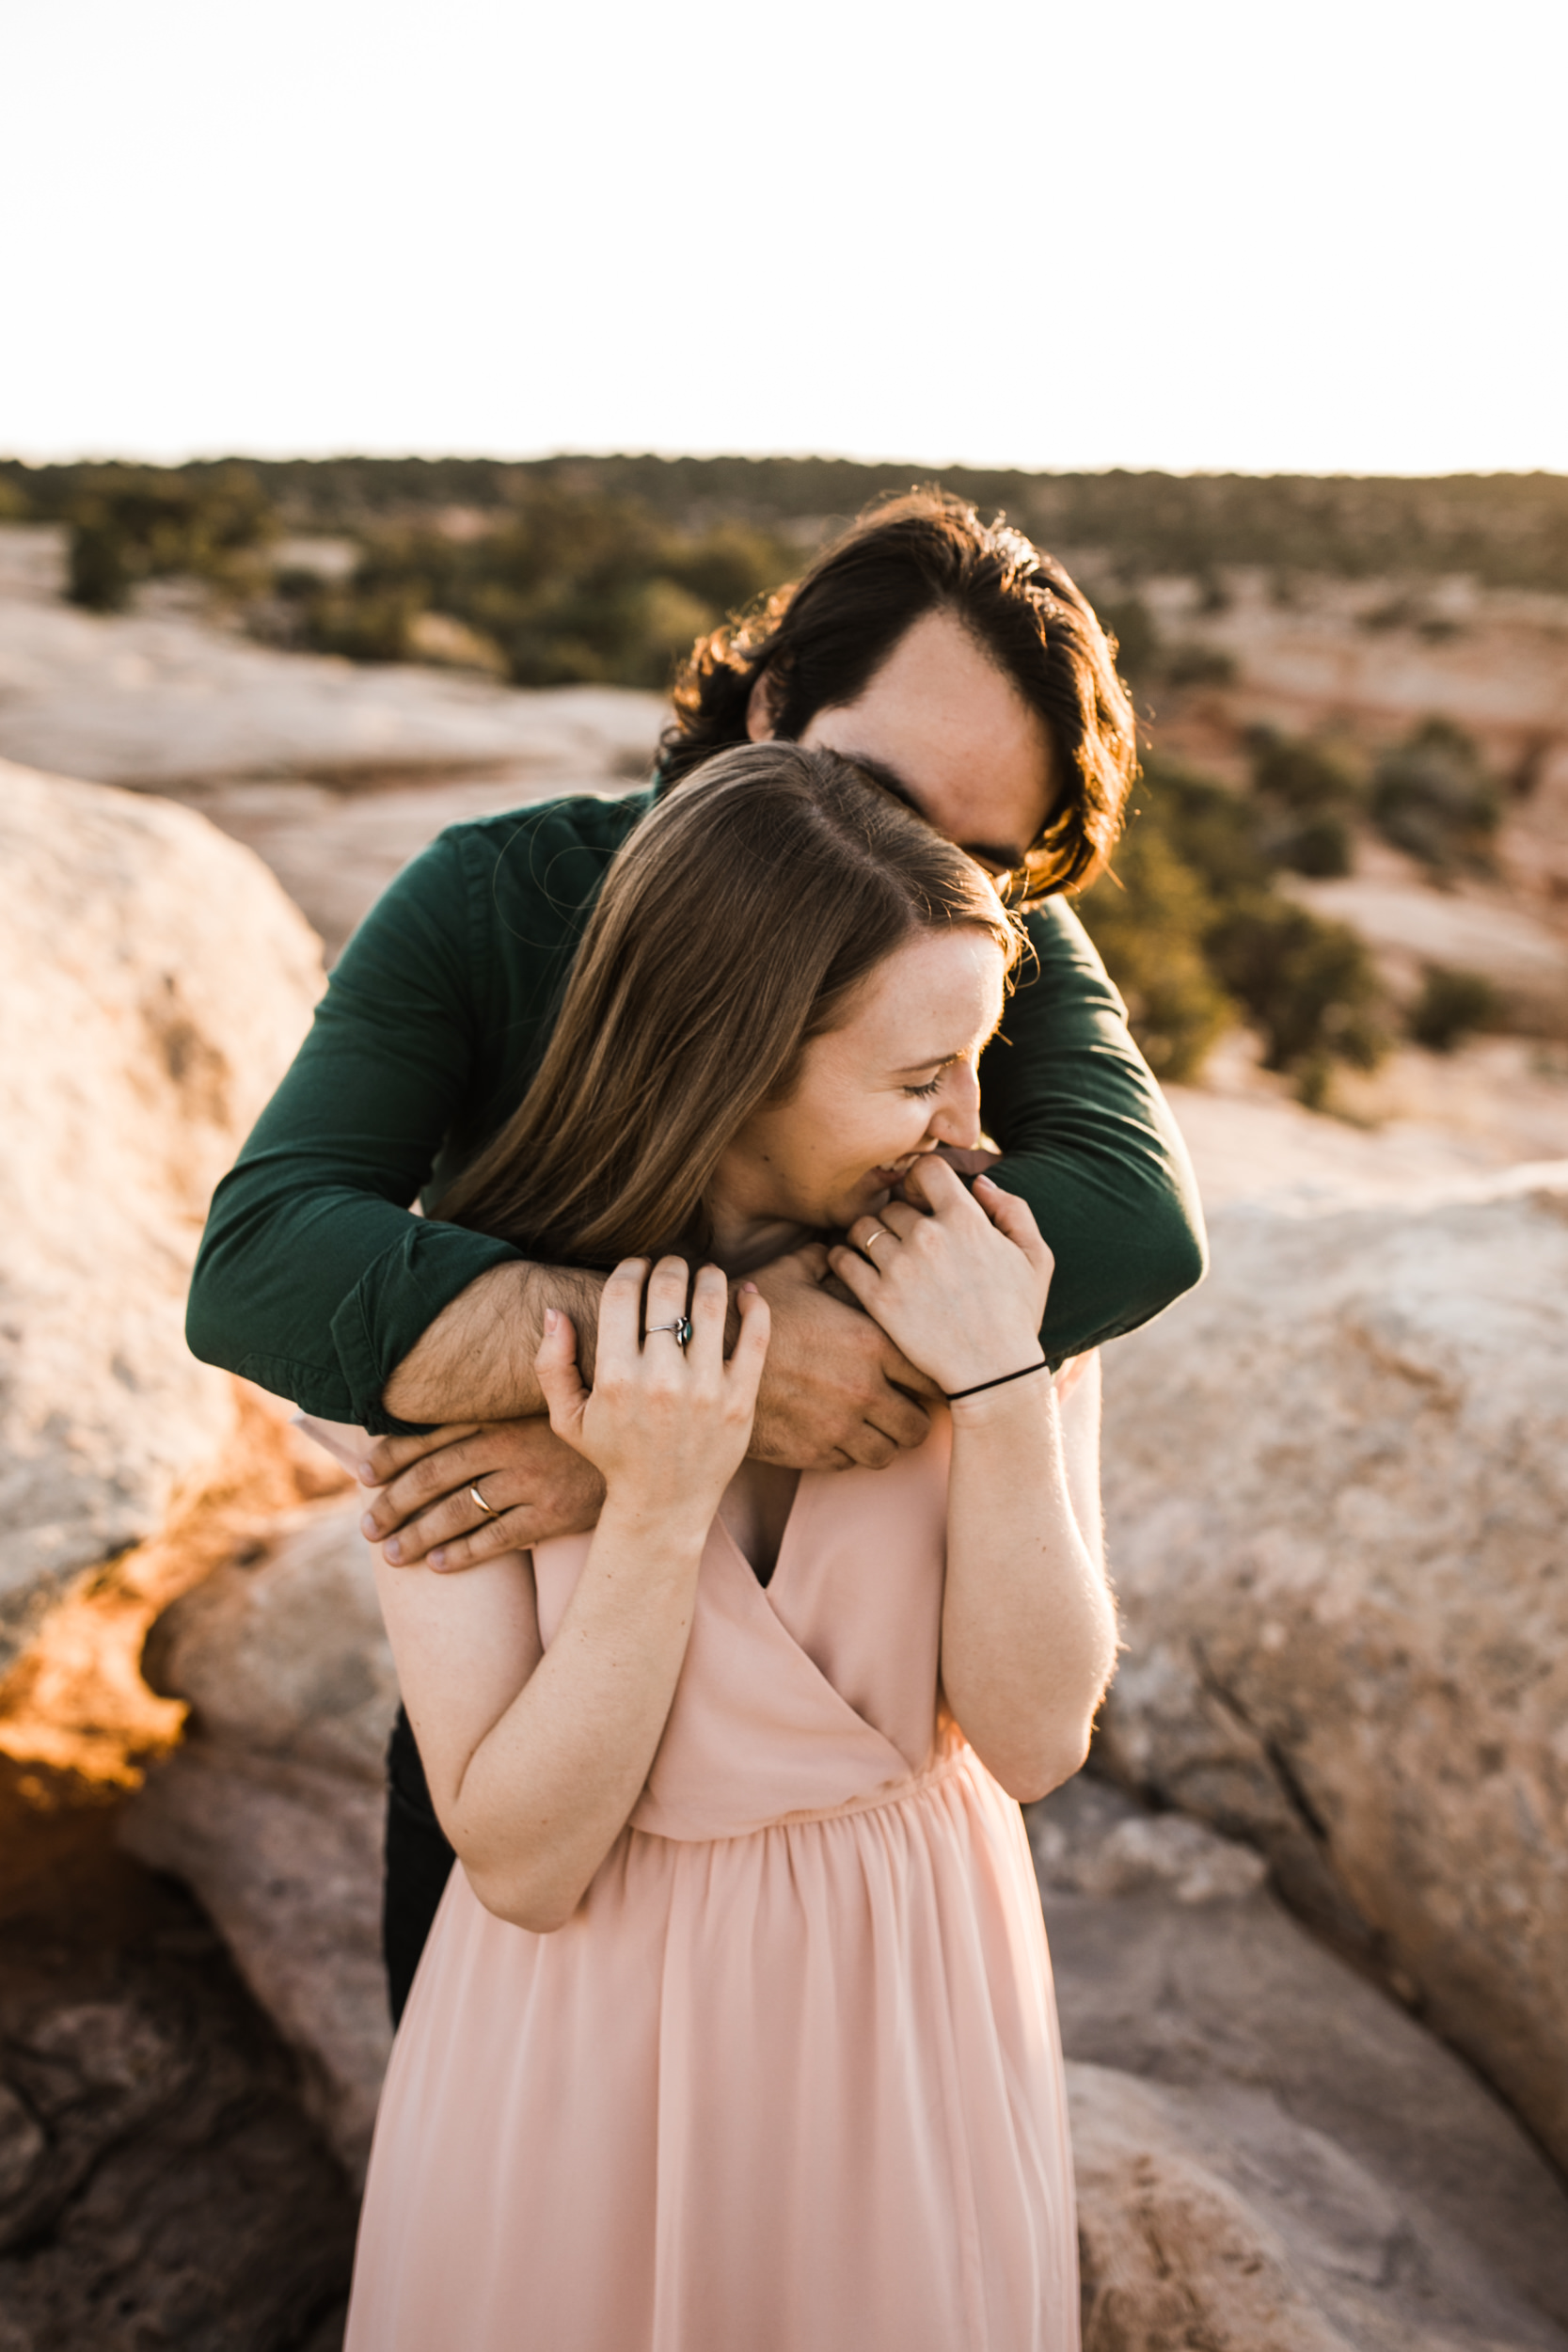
x: 828, y: 1397
x: 535, y: 1484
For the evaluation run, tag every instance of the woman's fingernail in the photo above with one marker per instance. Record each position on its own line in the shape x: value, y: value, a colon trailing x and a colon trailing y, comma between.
x: 367, y: 1525
x: 984, y: 1179
x: 748, y: 1290
x: 552, y: 1316
x: 392, y: 1552
x: 366, y: 1476
x: 438, y: 1559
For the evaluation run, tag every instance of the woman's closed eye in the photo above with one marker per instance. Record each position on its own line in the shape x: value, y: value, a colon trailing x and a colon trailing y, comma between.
x: 928, y: 1090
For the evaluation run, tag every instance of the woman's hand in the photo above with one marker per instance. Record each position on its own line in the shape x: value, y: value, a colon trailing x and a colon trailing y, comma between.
x: 667, y: 1426
x: 962, y: 1292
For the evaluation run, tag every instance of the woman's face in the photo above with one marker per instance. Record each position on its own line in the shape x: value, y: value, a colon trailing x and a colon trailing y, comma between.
x: 896, y: 1078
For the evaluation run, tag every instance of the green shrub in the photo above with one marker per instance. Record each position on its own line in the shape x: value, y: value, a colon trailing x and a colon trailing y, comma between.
x: 1301, y: 775
x: 1148, y: 921
x: 1453, y: 1005
x: 131, y: 524
x: 1131, y: 628
x: 362, y: 624
x: 1198, y: 933
x: 1190, y: 663
x: 1319, y: 845
x: 1433, y: 798
x: 1310, y: 986
x: 1215, y: 831
x: 573, y: 586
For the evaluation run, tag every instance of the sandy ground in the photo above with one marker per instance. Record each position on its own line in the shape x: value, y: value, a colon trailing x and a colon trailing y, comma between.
x: 1422, y: 1124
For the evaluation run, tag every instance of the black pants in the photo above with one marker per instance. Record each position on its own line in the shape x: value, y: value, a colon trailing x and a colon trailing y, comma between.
x: 418, y: 1862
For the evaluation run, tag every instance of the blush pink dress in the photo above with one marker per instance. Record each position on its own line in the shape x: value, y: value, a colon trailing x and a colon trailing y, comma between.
x: 789, y: 2079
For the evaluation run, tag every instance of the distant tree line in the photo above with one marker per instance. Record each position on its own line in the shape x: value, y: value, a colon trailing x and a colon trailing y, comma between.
x: 569, y: 586
x: 1504, y: 530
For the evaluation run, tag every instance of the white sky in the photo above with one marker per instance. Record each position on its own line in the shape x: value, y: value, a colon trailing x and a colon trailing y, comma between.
x: 1183, y: 233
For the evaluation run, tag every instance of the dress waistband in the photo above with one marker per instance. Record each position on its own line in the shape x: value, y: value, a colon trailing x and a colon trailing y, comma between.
x: 957, y: 1758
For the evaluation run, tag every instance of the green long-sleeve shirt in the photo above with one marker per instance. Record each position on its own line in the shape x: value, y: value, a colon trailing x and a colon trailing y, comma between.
x: 314, y: 1276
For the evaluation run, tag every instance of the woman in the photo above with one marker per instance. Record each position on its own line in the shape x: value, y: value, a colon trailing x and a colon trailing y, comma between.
x: 735, y: 2027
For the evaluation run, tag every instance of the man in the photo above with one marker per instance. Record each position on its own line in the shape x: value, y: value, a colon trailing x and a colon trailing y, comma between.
x: 964, y: 670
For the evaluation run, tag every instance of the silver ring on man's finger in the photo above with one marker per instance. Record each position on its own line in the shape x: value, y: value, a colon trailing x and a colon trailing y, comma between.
x: 681, y: 1328
x: 487, y: 1508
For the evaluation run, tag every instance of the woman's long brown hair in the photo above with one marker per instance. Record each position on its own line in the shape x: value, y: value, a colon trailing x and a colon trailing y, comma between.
x: 733, y: 926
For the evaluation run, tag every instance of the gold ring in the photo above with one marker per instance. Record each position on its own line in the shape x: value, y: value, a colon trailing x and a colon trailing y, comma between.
x: 487, y: 1509
x: 881, y: 1234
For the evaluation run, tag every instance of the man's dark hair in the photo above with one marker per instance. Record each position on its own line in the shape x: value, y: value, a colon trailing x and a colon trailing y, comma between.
x: 820, y: 641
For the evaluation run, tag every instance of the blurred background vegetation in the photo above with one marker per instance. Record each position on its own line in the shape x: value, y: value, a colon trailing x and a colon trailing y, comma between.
x: 1503, y: 530
x: 577, y: 570
x: 1199, y: 930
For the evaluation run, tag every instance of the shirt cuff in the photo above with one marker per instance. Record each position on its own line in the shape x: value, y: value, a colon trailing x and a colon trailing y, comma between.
x: 396, y: 1300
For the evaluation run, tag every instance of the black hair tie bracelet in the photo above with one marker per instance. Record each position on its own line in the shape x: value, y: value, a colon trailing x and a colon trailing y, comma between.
x: 1001, y: 1383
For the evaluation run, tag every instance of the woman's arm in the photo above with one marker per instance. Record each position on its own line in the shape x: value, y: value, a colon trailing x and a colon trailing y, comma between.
x: 536, y: 1758
x: 1028, y: 1633
x: 1028, y: 1637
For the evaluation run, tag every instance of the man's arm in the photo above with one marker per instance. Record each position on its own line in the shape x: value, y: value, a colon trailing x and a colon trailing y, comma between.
x: 315, y: 1278
x: 1089, y: 1142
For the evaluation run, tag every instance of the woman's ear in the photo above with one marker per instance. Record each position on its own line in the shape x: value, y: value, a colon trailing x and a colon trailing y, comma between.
x: 761, y: 708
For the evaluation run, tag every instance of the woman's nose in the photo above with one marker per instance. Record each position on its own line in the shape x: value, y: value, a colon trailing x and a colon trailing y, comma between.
x: 956, y: 1113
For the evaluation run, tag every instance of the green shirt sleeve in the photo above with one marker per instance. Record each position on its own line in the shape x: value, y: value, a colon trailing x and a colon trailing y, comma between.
x: 314, y: 1278
x: 1088, y: 1141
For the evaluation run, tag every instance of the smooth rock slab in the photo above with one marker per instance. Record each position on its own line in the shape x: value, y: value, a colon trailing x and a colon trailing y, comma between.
x: 287, y: 1864
x: 1271, y: 2153
x: 156, y: 982
x: 173, y: 2193
x: 282, y: 1653
x: 1336, y: 1488
x: 273, y: 1812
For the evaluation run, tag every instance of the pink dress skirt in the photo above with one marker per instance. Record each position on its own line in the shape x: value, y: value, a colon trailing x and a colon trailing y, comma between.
x: 789, y: 2079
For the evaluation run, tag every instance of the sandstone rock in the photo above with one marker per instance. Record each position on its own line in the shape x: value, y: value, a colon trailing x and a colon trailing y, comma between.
x: 155, y: 981
x: 1337, y: 1491
x: 282, y: 1654
x: 1131, y: 1851
x: 158, y: 2182
x: 1169, y: 2254
x: 286, y: 1861
x: 273, y: 1811
x: 1270, y: 2152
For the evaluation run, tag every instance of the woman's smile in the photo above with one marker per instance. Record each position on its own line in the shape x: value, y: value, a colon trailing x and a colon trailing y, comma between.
x: 893, y: 1080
